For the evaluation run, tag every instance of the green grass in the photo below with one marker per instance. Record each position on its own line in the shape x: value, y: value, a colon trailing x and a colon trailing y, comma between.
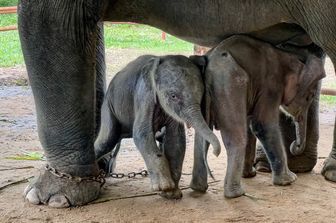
x: 142, y: 37
x: 10, y: 49
x: 25, y: 155
x: 8, y: 19
x: 328, y: 100
x: 116, y: 36
x: 4, y: 3
x: 325, y: 99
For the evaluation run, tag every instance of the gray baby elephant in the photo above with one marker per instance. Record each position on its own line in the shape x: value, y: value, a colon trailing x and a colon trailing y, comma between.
x: 148, y: 94
x: 247, y: 80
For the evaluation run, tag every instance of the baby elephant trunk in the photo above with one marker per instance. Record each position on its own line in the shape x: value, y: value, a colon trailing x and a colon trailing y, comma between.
x: 297, y: 147
x: 197, y: 121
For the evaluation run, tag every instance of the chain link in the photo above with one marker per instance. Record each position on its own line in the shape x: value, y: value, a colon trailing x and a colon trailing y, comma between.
x: 131, y: 175
x: 100, y: 178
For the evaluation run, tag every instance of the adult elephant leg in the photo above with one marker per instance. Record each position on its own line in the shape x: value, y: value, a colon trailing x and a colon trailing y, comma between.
x: 100, y: 75
x: 329, y: 168
x: 59, y: 41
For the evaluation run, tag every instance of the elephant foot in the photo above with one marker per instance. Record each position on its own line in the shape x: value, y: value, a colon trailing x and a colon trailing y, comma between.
x: 161, y: 182
x: 329, y: 169
x: 249, y: 172
x: 263, y: 166
x: 173, y: 194
x: 59, y: 192
x: 284, y: 179
x: 301, y: 164
x: 199, y: 184
x: 297, y: 164
x: 107, y: 164
x: 233, y: 191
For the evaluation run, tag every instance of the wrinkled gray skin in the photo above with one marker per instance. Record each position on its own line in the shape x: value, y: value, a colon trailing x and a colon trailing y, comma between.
x: 62, y: 43
x: 108, y: 162
x: 151, y: 93
x: 249, y: 80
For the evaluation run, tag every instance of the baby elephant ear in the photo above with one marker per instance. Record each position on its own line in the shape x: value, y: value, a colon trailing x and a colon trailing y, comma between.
x: 200, y: 61
x: 150, y: 69
x: 303, y: 78
x: 313, y: 70
x: 291, y: 88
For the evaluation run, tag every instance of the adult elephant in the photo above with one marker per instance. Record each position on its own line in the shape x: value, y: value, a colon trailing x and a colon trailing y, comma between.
x: 63, y: 47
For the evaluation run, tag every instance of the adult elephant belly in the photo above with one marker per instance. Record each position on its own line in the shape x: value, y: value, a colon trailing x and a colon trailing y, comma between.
x: 207, y: 23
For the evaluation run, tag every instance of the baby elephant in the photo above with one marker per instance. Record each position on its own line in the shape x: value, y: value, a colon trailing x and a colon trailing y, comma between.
x: 247, y: 80
x: 148, y: 94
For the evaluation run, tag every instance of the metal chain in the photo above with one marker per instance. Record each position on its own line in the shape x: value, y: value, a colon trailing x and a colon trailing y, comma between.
x: 143, y: 173
x: 100, y: 178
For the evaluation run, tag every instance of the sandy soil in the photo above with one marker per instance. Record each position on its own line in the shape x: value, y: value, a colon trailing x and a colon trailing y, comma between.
x: 309, y: 199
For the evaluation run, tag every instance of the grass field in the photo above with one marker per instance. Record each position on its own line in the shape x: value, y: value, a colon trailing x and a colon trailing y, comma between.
x: 329, y: 100
x: 4, y: 3
x: 116, y: 36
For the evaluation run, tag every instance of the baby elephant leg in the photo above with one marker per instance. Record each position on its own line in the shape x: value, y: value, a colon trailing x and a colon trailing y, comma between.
x: 199, y: 181
x: 261, y: 162
x: 233, y: 128
x: 249, y: 170
x: 174, y: 145
x: 235, y: 144
x: 269, y: 135
x: 108, y: 162
x: 108, y: 137
x: 156, y: 161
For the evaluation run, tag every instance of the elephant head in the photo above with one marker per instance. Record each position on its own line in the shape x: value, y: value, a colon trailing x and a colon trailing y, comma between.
x: 178, y: 87
x: 300, y: 89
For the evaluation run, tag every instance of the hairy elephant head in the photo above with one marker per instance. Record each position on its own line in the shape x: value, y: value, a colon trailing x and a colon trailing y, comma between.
x: 178, y: 86
x: 301, y: 86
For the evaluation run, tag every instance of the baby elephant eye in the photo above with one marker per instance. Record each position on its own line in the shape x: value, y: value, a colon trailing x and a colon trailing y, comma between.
x: 173, y: 96
x: 224, y: 54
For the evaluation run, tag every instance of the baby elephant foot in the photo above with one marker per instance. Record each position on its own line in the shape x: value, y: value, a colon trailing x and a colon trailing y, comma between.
x: 199, y: 181
x: 199, y: 184
x: 249, y: 173
x: 107, y: 164
x: 173, y: 194
x: 162, y: 182
x: 329, y: 169
x: 284, y: 179
x: 60, y: 192
x: 233, y: 191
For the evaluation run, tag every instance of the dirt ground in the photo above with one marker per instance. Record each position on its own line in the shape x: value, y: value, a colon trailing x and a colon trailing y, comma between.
x: 309, y: 199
